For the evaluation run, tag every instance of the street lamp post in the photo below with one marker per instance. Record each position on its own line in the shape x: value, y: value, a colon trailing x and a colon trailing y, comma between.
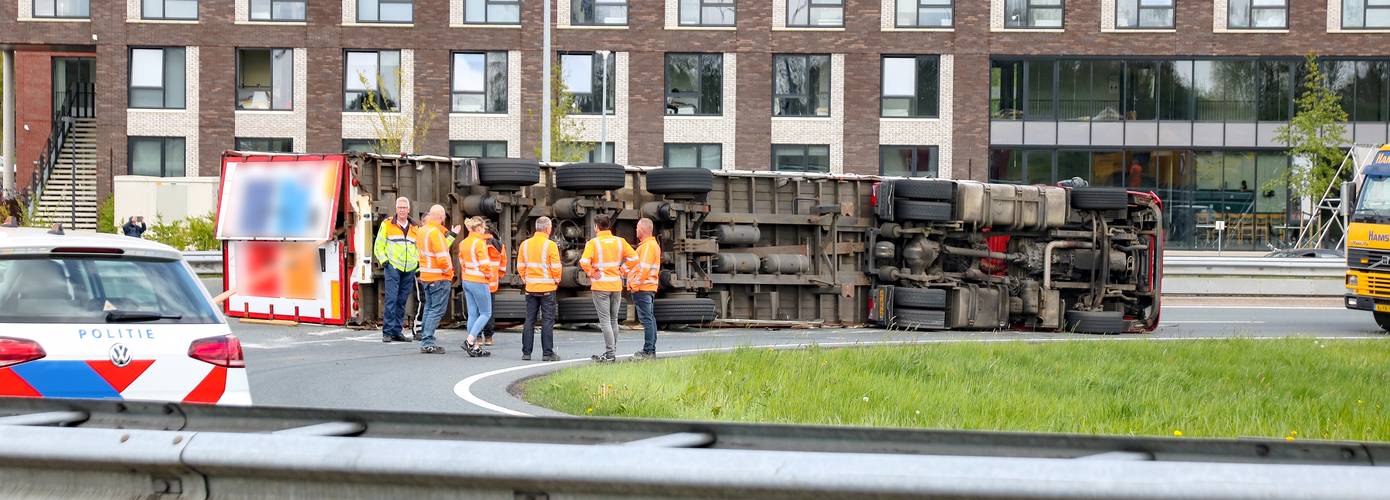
x: 603, y: 110
x: 72, y: 157
x: 545, y: 83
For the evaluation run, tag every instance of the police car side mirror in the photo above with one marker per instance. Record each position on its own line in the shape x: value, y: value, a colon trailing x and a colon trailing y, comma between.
x: 1348, y: 198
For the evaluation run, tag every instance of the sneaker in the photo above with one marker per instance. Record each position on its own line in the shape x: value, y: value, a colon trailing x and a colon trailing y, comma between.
x: 476, y: 351
x: 643, y: 356
x: 487, y: 340
x: 525, y: 357
x: 386, y: 340
x: 550, y: 357
x: 603, y: 358
x: 398, y: 338
x: 434, y: 349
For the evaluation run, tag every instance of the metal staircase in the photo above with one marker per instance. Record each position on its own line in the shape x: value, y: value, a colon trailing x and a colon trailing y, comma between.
x: 64, y: 186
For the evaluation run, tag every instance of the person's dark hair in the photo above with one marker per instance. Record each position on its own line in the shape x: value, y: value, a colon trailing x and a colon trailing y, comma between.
x: 603, y: 222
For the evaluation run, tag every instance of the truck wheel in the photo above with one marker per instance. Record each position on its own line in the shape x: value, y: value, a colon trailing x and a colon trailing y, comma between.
x: 680, y: 181
x: 1383, y: 319
x: 919, y: 298
x: 590, y: 177
x: 575, y: 310
x: 1096, y: 322
x: 1099, y: 198
x: 508, y: 305
x: 922, y: 210
x: 509, y: 172
x: 922, y: 189
x: 918, y: 319
x: 688, y: 311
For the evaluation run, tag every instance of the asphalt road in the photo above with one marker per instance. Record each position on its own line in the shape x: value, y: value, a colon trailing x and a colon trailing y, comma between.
x: 311, y: 366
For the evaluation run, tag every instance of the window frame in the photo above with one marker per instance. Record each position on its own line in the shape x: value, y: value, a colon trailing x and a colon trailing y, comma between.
x: 611, y: 107
x: 594, y: 5
x: 237, y: 83
x: 926, y: 4
x: 805, y: 154
x: 489, y: 22
x: 1028, y: 9
x: 163, y: 145
x: 812, y: 6
x: 487, y: 82
x: 378, y: 20
x: 912, y: 167
x: 370, y: 143
x: 830, y: 93
x: 699, y: 82
x: 1250, y: 9
x: 34, y: 9
x: 1366, y: 7
x: 197, y: 11
x: 486, y: 144
x: 592, y: 155
x: 378, y: 52
x: 163, y: 88
x: 237, y: 143
x: 272, y: 19
x: 916, y: 60
x: 666, y: 154
x: 1139, y: 9
x: 704, y: 4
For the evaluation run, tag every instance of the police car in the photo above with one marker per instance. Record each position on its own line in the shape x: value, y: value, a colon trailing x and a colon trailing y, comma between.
x: 110, y: 317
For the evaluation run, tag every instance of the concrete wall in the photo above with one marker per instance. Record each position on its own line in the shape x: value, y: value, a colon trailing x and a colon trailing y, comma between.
x: 172, y: 198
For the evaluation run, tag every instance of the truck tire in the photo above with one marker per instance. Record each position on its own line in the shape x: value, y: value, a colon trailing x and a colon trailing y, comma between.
x: 1383, y: 320
x: 509, y: 305
x: 685, y: 311
x: 1099, y: 198
x: 919, y: 298
x: 922, y: 210
x: 924, y: 189
x: 508, y: 172
x: 590, y: 177
x: 680, y: 181
x: 1096, y: 322
x: 576, y: 310
x: 918, y: 319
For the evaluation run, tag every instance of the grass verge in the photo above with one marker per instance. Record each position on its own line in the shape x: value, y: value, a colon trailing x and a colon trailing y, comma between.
x: 1286, y: 388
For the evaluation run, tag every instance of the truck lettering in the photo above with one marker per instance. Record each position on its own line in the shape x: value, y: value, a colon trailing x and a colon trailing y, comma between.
x: 1373, y: 236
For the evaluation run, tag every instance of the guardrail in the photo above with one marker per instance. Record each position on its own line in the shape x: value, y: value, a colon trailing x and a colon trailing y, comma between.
x: 205, y: 263
x: 71, y: 448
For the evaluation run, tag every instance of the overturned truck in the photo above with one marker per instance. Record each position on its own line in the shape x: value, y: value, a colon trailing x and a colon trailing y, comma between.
x: 777, y: 249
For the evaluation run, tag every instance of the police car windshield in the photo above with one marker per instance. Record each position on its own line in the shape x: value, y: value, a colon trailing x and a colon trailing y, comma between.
x: 79, y: 289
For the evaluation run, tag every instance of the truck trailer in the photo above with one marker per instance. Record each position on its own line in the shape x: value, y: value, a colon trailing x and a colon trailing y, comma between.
x: 767, y: 249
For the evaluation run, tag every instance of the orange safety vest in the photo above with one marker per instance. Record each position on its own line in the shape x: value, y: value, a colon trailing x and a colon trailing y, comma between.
x: 474, y: 259
x: 435, y: 264
x: 499, y: 264
x: 538, y: 263
x: 646, y: 275
x: 612, y: 257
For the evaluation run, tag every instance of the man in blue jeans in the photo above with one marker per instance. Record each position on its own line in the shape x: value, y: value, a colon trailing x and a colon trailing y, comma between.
x: 436, y: 275
x: 396, y: 251
x: 643, y: 281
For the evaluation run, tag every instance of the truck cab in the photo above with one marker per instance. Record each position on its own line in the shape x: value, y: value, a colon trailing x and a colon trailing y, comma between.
x: 1368, y: 239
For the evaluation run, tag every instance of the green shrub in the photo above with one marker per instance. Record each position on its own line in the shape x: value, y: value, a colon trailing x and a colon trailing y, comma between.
x: 106, y: 216
x: 193, y: 233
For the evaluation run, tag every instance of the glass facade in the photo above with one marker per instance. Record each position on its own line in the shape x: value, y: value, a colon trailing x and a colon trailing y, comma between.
x: 1247, y: 189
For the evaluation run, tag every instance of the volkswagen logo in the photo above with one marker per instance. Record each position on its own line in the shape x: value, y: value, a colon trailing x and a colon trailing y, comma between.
x: 120, y: 355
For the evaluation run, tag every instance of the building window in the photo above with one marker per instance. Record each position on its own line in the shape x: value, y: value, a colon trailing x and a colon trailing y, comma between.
x: 709, y: 156
x: 359, y: 146
x: 156, y: 156
x: 181, y: 10
x: 372, y: 75
x: 694, y: 84
x: 598, y: 12
x: 925, y: 13
x: 1033, y: 13
x: 478, y: 149
x: 63, y: 9
x: 1256, y: 14
x: 157, y: 78
x: 801, y: 158
x: 907, y: 161
x: 607, y: 155
x: 801, y: 86
x: 480, y: 82
x: 277, y: 10
x: 265, y: 79
x: 385, y: 11
x: 1144, y: 14
x: 492, y: 12
x: 584, y: 78
x: 1365, y: 14
x: 910, y: 86
x: 707, y: 13
x: 265, y: 144
x: 816, y: 13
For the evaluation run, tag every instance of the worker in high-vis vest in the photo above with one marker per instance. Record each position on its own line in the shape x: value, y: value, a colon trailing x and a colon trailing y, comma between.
x: 499, y: 267
x: 436, y: 275
x: 477, y: 271
x: 643, y: 283
x: 606, y: 260
x: 538, y: 264
x: 396, y: 250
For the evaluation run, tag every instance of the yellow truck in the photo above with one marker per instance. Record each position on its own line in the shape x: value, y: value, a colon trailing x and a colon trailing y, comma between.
x: 1368, y: 239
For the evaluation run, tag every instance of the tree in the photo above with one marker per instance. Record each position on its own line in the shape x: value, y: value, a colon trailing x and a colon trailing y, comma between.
x: 393, y: 127
x: 566, y: 144
x: 1315, y: 135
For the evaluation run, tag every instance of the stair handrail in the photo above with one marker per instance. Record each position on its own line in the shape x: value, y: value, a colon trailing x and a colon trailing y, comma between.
x: 84, y: 96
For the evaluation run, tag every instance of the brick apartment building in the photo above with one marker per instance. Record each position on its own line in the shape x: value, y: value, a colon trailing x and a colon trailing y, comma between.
x: 1180, y: 96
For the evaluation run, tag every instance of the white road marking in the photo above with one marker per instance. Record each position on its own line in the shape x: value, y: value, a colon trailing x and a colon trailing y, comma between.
x: 1211, y: 323
x: 464, y: 388
x: 330, y: 332
x: 1237, y: 308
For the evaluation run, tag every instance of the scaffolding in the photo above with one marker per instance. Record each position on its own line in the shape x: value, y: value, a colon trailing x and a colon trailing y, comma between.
x: 1316, y: 228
